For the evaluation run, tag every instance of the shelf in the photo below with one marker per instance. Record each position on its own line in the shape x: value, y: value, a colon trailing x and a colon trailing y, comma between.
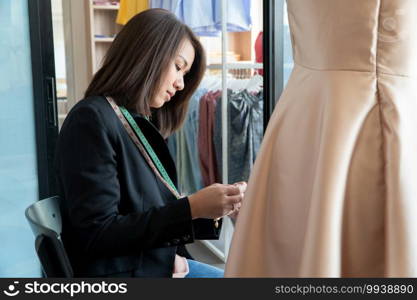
x: 104, y: 40
x: 236, y: 65
x: 106, y: 7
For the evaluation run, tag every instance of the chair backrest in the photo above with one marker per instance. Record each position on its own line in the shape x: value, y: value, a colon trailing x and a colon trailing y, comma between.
x: 44, y: 218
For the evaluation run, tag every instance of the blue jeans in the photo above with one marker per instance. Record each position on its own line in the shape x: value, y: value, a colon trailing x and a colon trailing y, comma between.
x: 201, y: 270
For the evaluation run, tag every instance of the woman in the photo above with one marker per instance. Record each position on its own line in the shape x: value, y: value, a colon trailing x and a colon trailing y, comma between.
x: 122, y: 215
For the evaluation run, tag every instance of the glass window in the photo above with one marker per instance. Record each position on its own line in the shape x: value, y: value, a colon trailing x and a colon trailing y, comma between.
x: 18, y: 167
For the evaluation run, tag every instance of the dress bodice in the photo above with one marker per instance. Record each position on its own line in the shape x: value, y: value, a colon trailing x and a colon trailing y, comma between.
x: 364, y: 35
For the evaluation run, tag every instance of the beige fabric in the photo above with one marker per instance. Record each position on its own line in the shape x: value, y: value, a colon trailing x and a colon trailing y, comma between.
x: 334, y: 189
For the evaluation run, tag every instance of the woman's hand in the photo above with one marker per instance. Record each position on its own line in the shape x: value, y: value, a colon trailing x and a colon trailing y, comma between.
x: 215, y: 201
x: 242, y: 187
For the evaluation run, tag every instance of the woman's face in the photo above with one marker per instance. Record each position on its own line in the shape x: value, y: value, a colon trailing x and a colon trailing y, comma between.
x: 173, y: 80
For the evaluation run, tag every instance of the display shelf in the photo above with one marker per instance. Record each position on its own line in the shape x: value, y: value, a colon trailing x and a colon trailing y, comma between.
x: 106, y: 7
x: 236, y: 65
x: 104, y: 40
x: 102, y: 30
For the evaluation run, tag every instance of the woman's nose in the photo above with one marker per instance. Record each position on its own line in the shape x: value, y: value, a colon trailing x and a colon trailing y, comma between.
x: 179, y: 83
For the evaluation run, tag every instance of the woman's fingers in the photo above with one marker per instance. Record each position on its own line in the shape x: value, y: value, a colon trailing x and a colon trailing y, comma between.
x: 232, y: 190
x: 233, y: 200
x: 242, y: 186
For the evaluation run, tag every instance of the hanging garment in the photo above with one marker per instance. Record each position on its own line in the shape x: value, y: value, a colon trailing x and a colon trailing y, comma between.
x: 238, y: 15
x: 204, y: 16
x: 245, y: 132
x: 206, y: 149
x: 173, y: 6
x: 333, y: 192
x: 188, y: 164
x: 218, y: 134
x: 259, y: 52
x: 200, y: 16
x: 129, y: 8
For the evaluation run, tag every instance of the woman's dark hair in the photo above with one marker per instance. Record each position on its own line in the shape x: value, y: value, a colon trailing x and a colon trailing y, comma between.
x: 137, y: 60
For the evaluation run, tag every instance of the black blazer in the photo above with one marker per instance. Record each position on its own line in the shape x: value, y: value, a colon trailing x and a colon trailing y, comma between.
x: 118, y: 217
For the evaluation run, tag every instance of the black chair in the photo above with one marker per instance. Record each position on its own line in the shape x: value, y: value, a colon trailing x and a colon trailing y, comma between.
x: 44, y: 218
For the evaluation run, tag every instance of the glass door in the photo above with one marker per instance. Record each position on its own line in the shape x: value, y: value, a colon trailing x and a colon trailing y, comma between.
x: 255, y: 67
x: 26, y: 122
x: 224, y: 127
x: 238, y: 126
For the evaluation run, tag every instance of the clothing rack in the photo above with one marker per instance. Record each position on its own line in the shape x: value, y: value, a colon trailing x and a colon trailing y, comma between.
x: 238, y: 69
x: 235, y: 65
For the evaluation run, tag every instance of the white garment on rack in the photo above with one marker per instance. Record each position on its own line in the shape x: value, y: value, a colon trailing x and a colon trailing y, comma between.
x: 204, y: 16
x: 255, y: 83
